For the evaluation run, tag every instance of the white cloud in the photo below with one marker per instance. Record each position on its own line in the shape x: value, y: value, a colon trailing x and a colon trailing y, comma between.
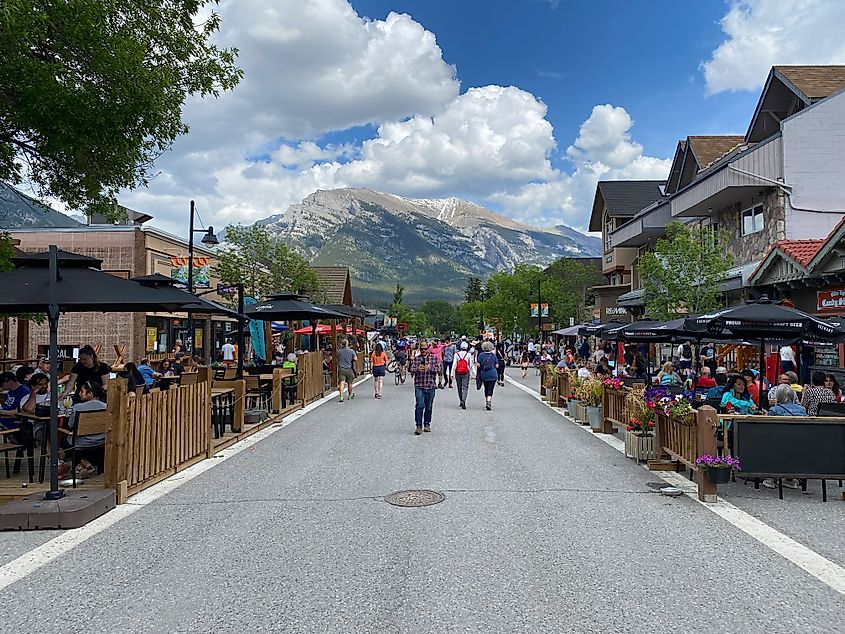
x: 764, y: 33
x: 317, y: 66
x: 603, y: 150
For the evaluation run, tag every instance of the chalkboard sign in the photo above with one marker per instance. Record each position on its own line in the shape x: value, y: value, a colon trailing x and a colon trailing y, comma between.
x: 807, y: 448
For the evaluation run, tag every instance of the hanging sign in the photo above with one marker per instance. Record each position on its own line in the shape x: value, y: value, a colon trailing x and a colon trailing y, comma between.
x: 830, y: 299
x: 535, y: 308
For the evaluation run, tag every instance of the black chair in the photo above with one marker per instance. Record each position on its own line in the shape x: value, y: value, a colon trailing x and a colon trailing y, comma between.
x: 831, y: 409
x: 88, y: 424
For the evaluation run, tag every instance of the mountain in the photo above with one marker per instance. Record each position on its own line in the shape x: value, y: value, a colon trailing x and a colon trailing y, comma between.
x: 428, y: 245
x: 19, y: 211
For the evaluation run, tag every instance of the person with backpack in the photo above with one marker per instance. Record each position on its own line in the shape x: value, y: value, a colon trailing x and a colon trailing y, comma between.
x: 488, y: 372
x: 461, y: 370
x: 684, y: 358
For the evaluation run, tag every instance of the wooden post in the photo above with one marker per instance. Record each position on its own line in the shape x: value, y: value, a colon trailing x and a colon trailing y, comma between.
x: 706, y: 421
x: 115, y: 452
x: 278, y: 386
x: 335, y: 372
x: 22, y: 348
x: 606, y: 424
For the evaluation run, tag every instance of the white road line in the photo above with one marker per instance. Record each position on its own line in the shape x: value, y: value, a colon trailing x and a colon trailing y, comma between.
x: 829, y: 573
x: 42, y: 555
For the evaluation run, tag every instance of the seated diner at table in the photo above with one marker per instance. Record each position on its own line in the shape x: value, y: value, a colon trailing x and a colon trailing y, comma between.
x: 15, y: 393
x: 736, y: 397
x: 721, y: 379
x: 178, y: 366
x: 88, y: 369
x: 816, y: 393
x: 704, y: 380
x: 783, y: 379
x: 147, y: 372
x: 795, y: 383
x: 134, y: 378
x: 668, y: 376
x: 785, y: 403
x: 91, y: 399
x: 39, y: 393
x: 832, y: 384
x: 165, y: 368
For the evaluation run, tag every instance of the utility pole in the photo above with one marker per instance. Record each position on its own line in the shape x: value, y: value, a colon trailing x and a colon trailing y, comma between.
x: 539, y: 313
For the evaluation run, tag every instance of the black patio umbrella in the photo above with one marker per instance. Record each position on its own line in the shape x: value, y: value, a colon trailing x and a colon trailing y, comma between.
x: 595, y: 330
x: 650, y: 331
x: 291, y: 307
x: 192, y: 303
x: 57, y: 282
x: 764, y: 320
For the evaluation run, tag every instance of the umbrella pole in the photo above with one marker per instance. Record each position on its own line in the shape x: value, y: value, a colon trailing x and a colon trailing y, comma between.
x: 55, y: 493
x: 762, y: 370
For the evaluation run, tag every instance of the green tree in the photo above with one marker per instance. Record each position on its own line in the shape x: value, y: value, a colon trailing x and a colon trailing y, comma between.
x: 441, y: 316
x: 469, y: 314
x: 571, y: 290
x: 681, y: 276
x: 91, y: 92
x: 263, y: 265
x: 475, y: 290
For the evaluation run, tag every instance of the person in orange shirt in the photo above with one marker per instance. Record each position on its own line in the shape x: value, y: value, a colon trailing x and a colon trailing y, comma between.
x: 378, y: 362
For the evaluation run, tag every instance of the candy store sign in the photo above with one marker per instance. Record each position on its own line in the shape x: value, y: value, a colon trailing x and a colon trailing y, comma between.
x: 831, y: 299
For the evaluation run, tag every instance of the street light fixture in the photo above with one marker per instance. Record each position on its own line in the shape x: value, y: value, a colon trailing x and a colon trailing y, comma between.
x: 210, y: 239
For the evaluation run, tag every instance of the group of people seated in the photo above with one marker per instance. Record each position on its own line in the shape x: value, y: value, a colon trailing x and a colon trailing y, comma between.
x: 146, y: 376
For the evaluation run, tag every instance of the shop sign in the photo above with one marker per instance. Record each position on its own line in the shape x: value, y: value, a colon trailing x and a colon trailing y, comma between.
x: 830, y: 299
x: 151, y: 339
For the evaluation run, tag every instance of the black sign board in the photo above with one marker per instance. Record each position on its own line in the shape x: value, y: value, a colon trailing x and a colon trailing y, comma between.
x: 786, y: 447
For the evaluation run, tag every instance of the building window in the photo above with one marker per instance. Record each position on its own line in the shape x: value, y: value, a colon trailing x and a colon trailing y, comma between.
x: 608, y: 228
x: 752, y: 220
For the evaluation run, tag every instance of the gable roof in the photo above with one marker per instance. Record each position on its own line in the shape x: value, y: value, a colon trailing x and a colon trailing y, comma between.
x: 623, y: 199
x: 816, y: 82
x: 675, y: 170
x: 788, y: 90
x: 336, y: 282
x: 707, y: 149
x: 796, y: 255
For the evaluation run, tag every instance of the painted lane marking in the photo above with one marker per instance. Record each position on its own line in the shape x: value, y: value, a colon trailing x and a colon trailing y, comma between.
x: 44, y: 554
x: 829, y: 573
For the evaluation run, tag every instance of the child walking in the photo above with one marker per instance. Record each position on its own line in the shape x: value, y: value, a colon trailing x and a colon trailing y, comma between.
x: 523, y: 363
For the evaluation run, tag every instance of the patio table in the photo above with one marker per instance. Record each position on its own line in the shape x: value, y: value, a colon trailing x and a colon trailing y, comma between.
x: 28, y: 435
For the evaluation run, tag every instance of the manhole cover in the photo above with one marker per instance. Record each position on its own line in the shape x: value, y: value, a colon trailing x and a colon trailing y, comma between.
x: 415, y: 497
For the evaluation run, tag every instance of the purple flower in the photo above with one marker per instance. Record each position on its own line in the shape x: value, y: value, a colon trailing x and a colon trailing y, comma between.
x: 726, y: 462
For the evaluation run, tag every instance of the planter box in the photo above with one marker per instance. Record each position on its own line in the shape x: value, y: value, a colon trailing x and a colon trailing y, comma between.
x: 640, y: 447
x: 571, y: 404
x: 580, y: 413
x: 595, y: 417
x: 552, y: 395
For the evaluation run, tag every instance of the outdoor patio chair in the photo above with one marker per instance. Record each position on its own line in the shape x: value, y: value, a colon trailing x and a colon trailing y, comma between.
x: 188, y: 379
x: 6, y: 446
x: 87, y: 424
x: 230, y: 374
x: 256, y: 397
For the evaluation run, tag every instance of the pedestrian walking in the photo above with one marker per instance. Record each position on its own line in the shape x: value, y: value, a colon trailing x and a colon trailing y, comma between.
x: 448, y: 359
x: 500, y: 361
x: 488, y: 372
x: 346, y: 369
x: 523, y: 363
x: 425, y: 369
x: 378, y: 362
x: 462, y: 370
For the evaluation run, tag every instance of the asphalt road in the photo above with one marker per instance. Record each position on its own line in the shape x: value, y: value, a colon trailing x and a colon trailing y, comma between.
x: 544, y: 529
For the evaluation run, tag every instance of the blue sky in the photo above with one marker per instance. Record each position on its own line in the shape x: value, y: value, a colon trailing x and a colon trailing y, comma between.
x: 520, y: 105
x: 644, y: 56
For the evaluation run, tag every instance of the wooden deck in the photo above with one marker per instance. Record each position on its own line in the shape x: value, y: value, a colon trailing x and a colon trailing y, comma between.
x: 12, y: 489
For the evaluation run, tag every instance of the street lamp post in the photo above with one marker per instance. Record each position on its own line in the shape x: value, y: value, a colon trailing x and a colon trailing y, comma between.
x: 539, y: 313
x: 208, y: 239
x: 241, y: 322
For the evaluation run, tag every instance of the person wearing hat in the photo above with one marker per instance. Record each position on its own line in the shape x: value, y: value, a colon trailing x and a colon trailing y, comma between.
x: 462, y: 372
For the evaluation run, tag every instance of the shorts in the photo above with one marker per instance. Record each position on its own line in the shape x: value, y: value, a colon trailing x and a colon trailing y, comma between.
x: 347, y: 374
x: 378, y: 370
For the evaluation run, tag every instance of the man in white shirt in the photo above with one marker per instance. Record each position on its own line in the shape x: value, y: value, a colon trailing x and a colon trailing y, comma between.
x: 228, y: 351
x: 787, y: 359
x: 532, y: 351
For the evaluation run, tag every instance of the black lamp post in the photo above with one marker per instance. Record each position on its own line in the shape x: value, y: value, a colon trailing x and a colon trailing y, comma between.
x: 209, y: 239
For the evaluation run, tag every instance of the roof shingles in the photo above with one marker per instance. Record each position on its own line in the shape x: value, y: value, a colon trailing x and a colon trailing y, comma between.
x: 817, y: 82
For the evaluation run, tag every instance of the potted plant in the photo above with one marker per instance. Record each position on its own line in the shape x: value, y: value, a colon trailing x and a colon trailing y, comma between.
x: 718, y: 468
x: 640, y: 442
x: 590, y: 394
x: 572, y: 400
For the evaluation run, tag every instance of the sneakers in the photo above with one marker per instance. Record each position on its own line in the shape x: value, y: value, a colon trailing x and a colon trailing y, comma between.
x: 769, y: 483
x: 427, y: 428
x: 351, y: 395
x: 791, y: 483
x: 463, y: 405
x: 417, y: 431
x: 489, y: 406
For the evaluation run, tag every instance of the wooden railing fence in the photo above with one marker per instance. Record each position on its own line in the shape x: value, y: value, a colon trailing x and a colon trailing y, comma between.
x: 614, y: 408
x: 310, y: 373
x: 678, y: 437
x: 155, y: 435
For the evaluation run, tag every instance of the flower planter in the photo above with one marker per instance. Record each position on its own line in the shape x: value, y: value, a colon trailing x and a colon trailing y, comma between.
x: 718, y: 475
x: 571, y: 404
x: 552, y: 396
x: 594, y: 417
x: 580, y: 413
x: 639, y: 446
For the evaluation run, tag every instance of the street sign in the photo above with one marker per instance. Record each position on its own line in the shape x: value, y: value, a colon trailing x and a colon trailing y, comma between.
x: 571, y: 321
